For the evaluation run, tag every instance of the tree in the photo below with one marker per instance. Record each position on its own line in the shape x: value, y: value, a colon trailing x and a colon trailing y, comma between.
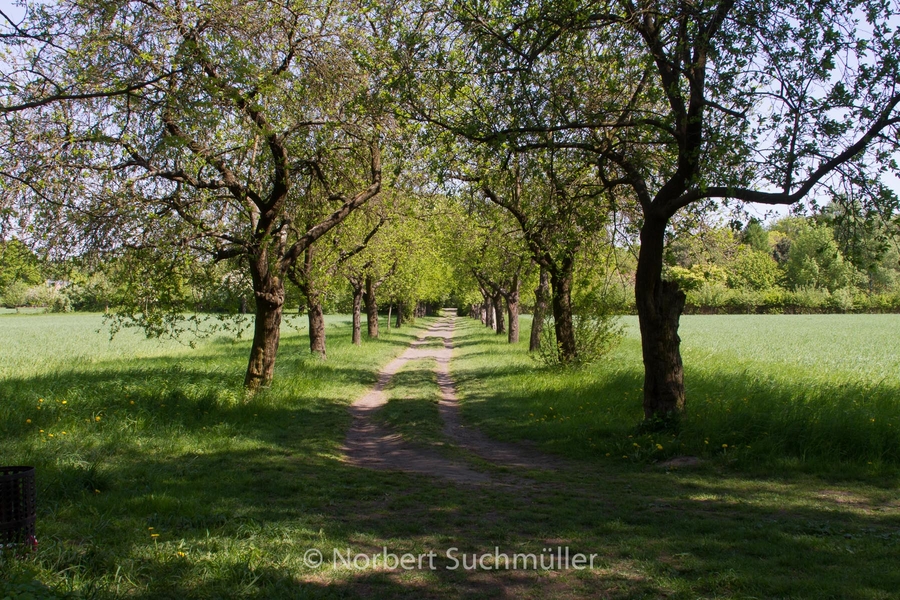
x: 197, y: 131
x: 756, y: 236
x: 868, y: 240
x: 492, y: 248
x: 815, y: 260
x: 753, y: 269
x: 318, y: 271
x: 681, y: 104
x: 541, y: 296
x: 18, y: 264
x: 555, y: 202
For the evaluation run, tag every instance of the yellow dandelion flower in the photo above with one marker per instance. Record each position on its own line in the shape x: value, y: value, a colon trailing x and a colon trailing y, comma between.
x: 181, y: 554
x: 28, y: 421
x: 65, y: 401
x: 659, y: 447
x: 724, y: 445
x: 97, y: 418
x: 154, y: 535
x: 132, y: 402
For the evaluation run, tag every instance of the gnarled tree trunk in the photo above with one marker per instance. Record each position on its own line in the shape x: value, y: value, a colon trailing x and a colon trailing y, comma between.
x: 357, y: 314
x: 497, y: 301
x: 488, y: 312
x: 269, y: 292
x: 316, y: 325
x: 561, y: 286
x: 371, y: 308
x: 659, y: 306
x: 512, y: 311
x: 541, y: 294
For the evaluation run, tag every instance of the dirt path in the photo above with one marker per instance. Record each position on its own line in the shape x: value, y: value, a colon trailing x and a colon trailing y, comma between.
x: 370, y: 445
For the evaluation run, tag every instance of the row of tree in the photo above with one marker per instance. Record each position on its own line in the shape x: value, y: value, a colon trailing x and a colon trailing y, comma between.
x: 278, y: 140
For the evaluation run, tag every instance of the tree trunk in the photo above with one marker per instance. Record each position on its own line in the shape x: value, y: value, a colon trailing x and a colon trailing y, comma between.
x: 371, y: 308
x: 498, y: 312
x: 540, y: 310
x: 399, y: 315
x: 659, y: 306
x: 512, y: 310
x: 269, y: 293
x: 561, y: 285
x: 390, y: 307
x: 488, y: 312
x: 316, y: 326
x: 357, y: 314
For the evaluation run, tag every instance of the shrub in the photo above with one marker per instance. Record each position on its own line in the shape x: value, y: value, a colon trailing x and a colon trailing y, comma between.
x: 753, y: 269
x: 841, y: 300
x: 597, y: 330
x: 808, y: 299
x: 709, y: 295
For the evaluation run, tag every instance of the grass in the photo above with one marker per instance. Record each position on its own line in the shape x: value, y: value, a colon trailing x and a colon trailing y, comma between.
x: 818, y: 393
x: 194, y: 492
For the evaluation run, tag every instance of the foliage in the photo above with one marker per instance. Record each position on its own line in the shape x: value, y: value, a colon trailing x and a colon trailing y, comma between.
x: 753, y: 269
x: 696, y: 276
x: 815, y: 260
x: 598, y: 330
x: 19, y: 268
x: 15, y: 295
x: 756, y: 236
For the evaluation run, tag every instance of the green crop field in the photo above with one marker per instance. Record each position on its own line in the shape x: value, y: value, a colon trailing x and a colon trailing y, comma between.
x: 158, y: 478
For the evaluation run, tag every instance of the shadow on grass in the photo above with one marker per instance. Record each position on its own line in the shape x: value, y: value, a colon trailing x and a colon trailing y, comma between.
x: 243, y: 520
x: 212, y: 497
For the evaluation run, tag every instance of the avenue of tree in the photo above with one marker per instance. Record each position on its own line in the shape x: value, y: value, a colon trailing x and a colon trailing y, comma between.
x: 177, y: 156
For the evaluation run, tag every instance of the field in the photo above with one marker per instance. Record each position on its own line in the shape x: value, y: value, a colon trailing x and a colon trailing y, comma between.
x: 157, y: 478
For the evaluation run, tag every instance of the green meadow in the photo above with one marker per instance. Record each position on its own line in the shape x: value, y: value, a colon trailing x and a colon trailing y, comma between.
x: 157, y: 477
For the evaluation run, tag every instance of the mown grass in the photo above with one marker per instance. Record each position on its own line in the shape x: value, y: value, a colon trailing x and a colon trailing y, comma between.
x: 818, y: 393
x: 195, y: 492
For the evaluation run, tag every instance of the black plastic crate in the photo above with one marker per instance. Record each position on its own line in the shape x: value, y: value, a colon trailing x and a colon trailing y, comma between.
x: 17, y: 506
